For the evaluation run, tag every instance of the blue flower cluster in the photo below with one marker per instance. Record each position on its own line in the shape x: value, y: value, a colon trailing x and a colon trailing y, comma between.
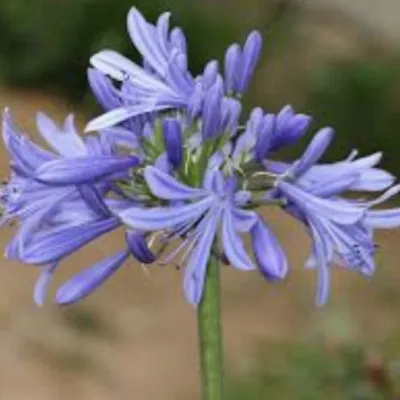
x: 171, y: 165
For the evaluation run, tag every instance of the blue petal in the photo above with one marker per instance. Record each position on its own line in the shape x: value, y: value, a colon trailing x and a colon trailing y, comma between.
x: 242, y: 197
x: 119, y: 115
x: 210, y: 74
x: 214, y: 181
x: 230, y: 186
x: 177, y: 39
x: 255, y: 121
x: 232, y: 60
x: 166, y: 187
x: 73, y: 212
x: 323, y: 268
x: 248, y: 139
x: 264, y: 137
x: 138, y: 247
x: 283, y: 118
x: 162, y: 163
x: 314, y: 151
x: 182, y: 64
x: 233, y: 245
x: 294, y: 129
x: 297, y: 127
x: 352, y: 243
x: 373, y: 179
x: 65, y: 142
x: 368, y: 161
x: 243, y: 220
x: 93, y: 199
x: 25, y: 155
x: 231, y: 109
x: 244, y: 144
x: 158, y: 218
x: 216, y: 160
x: 40, y: 290
x: 211, y: 118
x: 121, y: 137
x: 249, y: 59
x: 32, y: 201
x: 350, y: 246
x: 58, y: 242
x: 195, y: 273
x: 44, y: 210
x: 99, y: 145
x: 195, y: 102
x: 144, y: 38
x: 162, y: 30
x: 324, y: 171
x: 83, y: 169
x: 102, y: 89
x: 342, y: 213
x: 276, y: 167
x: 88, y: 280
x: 383, y: 219
x: 119, y: 67
x: 11, y: 252
x: 173, y: 137
x: 393, y: 191
x: 177, y: 77
x: 370, y: 179
x: 334, y: 186
x: 323, y: 285
x: 271, y: 258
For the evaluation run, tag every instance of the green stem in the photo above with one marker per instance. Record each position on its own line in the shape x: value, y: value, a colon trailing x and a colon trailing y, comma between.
x: 210, y: 337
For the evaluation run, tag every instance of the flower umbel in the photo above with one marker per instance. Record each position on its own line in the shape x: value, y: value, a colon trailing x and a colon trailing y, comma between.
x: 169, y: 162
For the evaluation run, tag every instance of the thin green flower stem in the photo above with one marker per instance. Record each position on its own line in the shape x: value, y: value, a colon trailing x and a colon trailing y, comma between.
x: 210, y: 334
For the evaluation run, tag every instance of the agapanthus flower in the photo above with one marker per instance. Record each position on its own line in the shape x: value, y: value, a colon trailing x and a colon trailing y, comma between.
x: 217, y: 202
x: 171, y: 164
x: 337, y: 225
x: 164, y: 82
x: 59, y: 215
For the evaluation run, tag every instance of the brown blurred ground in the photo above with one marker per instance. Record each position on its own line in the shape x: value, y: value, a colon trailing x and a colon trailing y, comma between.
x: 136, y: 338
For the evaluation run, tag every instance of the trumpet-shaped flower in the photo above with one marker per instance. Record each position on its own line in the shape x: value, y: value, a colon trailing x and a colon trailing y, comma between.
x: 216, y: 204
x: 341, y: 229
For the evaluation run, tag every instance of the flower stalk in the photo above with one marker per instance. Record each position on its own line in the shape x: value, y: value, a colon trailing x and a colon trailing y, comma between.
x: 210, y: 334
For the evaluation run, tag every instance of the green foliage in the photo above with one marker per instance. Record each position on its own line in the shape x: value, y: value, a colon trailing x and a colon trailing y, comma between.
x: 47, y: 43
x: 361, y: 100
x: 310, y: 371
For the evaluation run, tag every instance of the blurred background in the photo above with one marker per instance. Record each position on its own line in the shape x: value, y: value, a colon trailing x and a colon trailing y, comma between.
x: 136, y: 338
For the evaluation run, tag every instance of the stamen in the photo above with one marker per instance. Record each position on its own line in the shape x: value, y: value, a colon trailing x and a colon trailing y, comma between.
x: 183, y: 230
x: 153, y: 238
x: 174, y: 253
